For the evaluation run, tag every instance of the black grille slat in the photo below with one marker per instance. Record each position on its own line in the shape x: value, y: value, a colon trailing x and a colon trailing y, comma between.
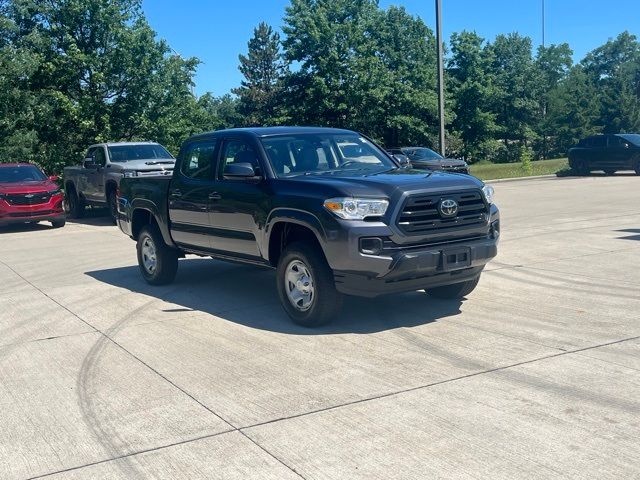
x: 420, y: 214
x: 28, y: 199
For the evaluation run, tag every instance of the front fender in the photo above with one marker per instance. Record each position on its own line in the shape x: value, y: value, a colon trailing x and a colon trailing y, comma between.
x: 297, y: 217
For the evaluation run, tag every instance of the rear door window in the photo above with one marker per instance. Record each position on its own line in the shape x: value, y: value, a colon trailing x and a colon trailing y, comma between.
x: 198, y: 160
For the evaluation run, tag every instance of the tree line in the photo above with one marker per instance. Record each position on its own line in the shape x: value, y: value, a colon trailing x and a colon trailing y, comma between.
x: 76, y: 72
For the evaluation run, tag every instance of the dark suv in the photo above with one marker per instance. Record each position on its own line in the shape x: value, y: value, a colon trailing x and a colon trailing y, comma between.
x: 609, y: 153
x: 427, y: 159
x: 329, y: 210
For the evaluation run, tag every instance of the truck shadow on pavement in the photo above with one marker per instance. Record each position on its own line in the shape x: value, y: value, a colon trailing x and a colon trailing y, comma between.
x: 97, y: 217
x: 247, y: 295
x: 25, y: 227
x: 635, y: 231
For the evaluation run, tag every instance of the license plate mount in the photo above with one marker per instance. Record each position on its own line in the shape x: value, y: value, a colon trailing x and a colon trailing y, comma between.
x: 455, y: 258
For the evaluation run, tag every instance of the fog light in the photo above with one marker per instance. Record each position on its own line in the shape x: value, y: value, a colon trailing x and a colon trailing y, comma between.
x: 495, y: 229
x: 371, y: 246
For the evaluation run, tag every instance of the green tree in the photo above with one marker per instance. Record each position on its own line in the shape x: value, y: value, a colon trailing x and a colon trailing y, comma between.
x: 361, y: 67
x: 553, y: 64
x: 263, y: 69
x: 573, y: 110
x: 472, y: 87
x: 515, y: 97
x: 615, y: 70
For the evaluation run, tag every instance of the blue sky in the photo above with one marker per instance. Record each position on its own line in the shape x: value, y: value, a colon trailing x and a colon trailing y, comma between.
x: 217, y: 31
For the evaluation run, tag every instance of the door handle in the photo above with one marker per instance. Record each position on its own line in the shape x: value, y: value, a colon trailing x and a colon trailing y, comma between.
x: 176, y: 193
x: 215, y: 196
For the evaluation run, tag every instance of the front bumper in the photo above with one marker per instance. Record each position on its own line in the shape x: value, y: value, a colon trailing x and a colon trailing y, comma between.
x: 409, y: 263
x: 45, y: 212
x: 418, y: 269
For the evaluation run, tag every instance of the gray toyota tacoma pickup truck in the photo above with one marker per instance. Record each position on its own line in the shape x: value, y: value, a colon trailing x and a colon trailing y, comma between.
x: 328, y: 209
x: 96, y: 181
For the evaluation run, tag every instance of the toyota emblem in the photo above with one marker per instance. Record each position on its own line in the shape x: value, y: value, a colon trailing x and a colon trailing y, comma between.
x: 448, y: 207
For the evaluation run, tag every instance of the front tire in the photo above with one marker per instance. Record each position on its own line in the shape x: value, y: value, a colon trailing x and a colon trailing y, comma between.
x: 306, y: 286
x: 157, y: 261
x: 454, y: 291
x: 637, y: 167
x: 76, y: 206
x: 112, y: 202
x: 58, y: 223
x: 582, y: 167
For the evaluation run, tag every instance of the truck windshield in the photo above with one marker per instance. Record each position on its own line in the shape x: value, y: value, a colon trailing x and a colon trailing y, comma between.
x: 125, y: 153
x: 323, y: 153
x: 20, y: 174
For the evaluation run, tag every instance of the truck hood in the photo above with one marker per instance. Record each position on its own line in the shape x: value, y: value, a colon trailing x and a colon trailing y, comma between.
x: 148, y: 165
x: 389, y: 183
x: 28, y: 187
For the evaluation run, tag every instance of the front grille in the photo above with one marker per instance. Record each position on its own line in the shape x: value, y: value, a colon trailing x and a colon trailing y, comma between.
x: 420, y: 214
x: 28, y: 199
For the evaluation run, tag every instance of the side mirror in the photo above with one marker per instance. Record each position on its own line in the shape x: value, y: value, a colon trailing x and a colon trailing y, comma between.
x: 235, y: 171
x: 89, y: 163
x: 54, y: 178
x: 403, y: 160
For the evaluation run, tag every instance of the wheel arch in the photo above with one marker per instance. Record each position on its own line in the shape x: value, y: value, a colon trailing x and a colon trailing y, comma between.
x: 287, y: 227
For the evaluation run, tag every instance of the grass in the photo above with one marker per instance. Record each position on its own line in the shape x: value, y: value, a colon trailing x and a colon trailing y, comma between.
x: 490, y: 171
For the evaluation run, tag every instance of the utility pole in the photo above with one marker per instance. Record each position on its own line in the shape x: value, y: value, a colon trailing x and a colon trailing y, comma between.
x: 440, y: 74
x: 543, y: 23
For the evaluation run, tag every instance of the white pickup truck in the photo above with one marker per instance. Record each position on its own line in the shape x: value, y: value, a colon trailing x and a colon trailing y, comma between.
x: 96, y: 181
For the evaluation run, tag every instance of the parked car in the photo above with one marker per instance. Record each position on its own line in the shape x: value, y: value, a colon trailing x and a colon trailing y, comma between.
x: 291, y: 199
x: 96, y: 181
x: 609, y: 153
x: 427, y: 159
x: 28, y: 195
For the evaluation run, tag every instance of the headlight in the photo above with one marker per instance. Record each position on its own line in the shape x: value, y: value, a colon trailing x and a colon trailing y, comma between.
x: 130, y: 174
x: 357, y: 208
x: 488, y: 192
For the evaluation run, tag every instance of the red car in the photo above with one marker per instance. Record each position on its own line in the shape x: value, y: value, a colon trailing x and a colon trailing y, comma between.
x: 28, y: 195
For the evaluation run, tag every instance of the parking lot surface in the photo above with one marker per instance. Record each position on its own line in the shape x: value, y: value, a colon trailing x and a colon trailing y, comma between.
x: 535, y: 375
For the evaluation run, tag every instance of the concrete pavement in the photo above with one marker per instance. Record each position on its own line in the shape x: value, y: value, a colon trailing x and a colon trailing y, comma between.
x: 535, y: 375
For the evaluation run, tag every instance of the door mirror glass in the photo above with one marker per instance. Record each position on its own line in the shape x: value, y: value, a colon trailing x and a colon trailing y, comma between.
x: 89, y: 163
x: 239, y: 170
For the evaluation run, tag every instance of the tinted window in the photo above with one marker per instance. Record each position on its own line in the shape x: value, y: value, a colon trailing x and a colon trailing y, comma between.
x: 198, y: 160
x: 634, y: 138
x: 599, y: 141
x: 99, y: 156
x: 615, y: 141
x: 239, y: 151
x: 320, y: 153
x: 124, y: 153
x: 21, y: 173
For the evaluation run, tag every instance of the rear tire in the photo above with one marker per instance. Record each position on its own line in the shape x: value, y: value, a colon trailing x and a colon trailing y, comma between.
x: 157, y: 261
x: 75, y: 203
x: 58, y: 223
x: 637, y: 167
x: 306, y: 286
x: 454, y: 291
